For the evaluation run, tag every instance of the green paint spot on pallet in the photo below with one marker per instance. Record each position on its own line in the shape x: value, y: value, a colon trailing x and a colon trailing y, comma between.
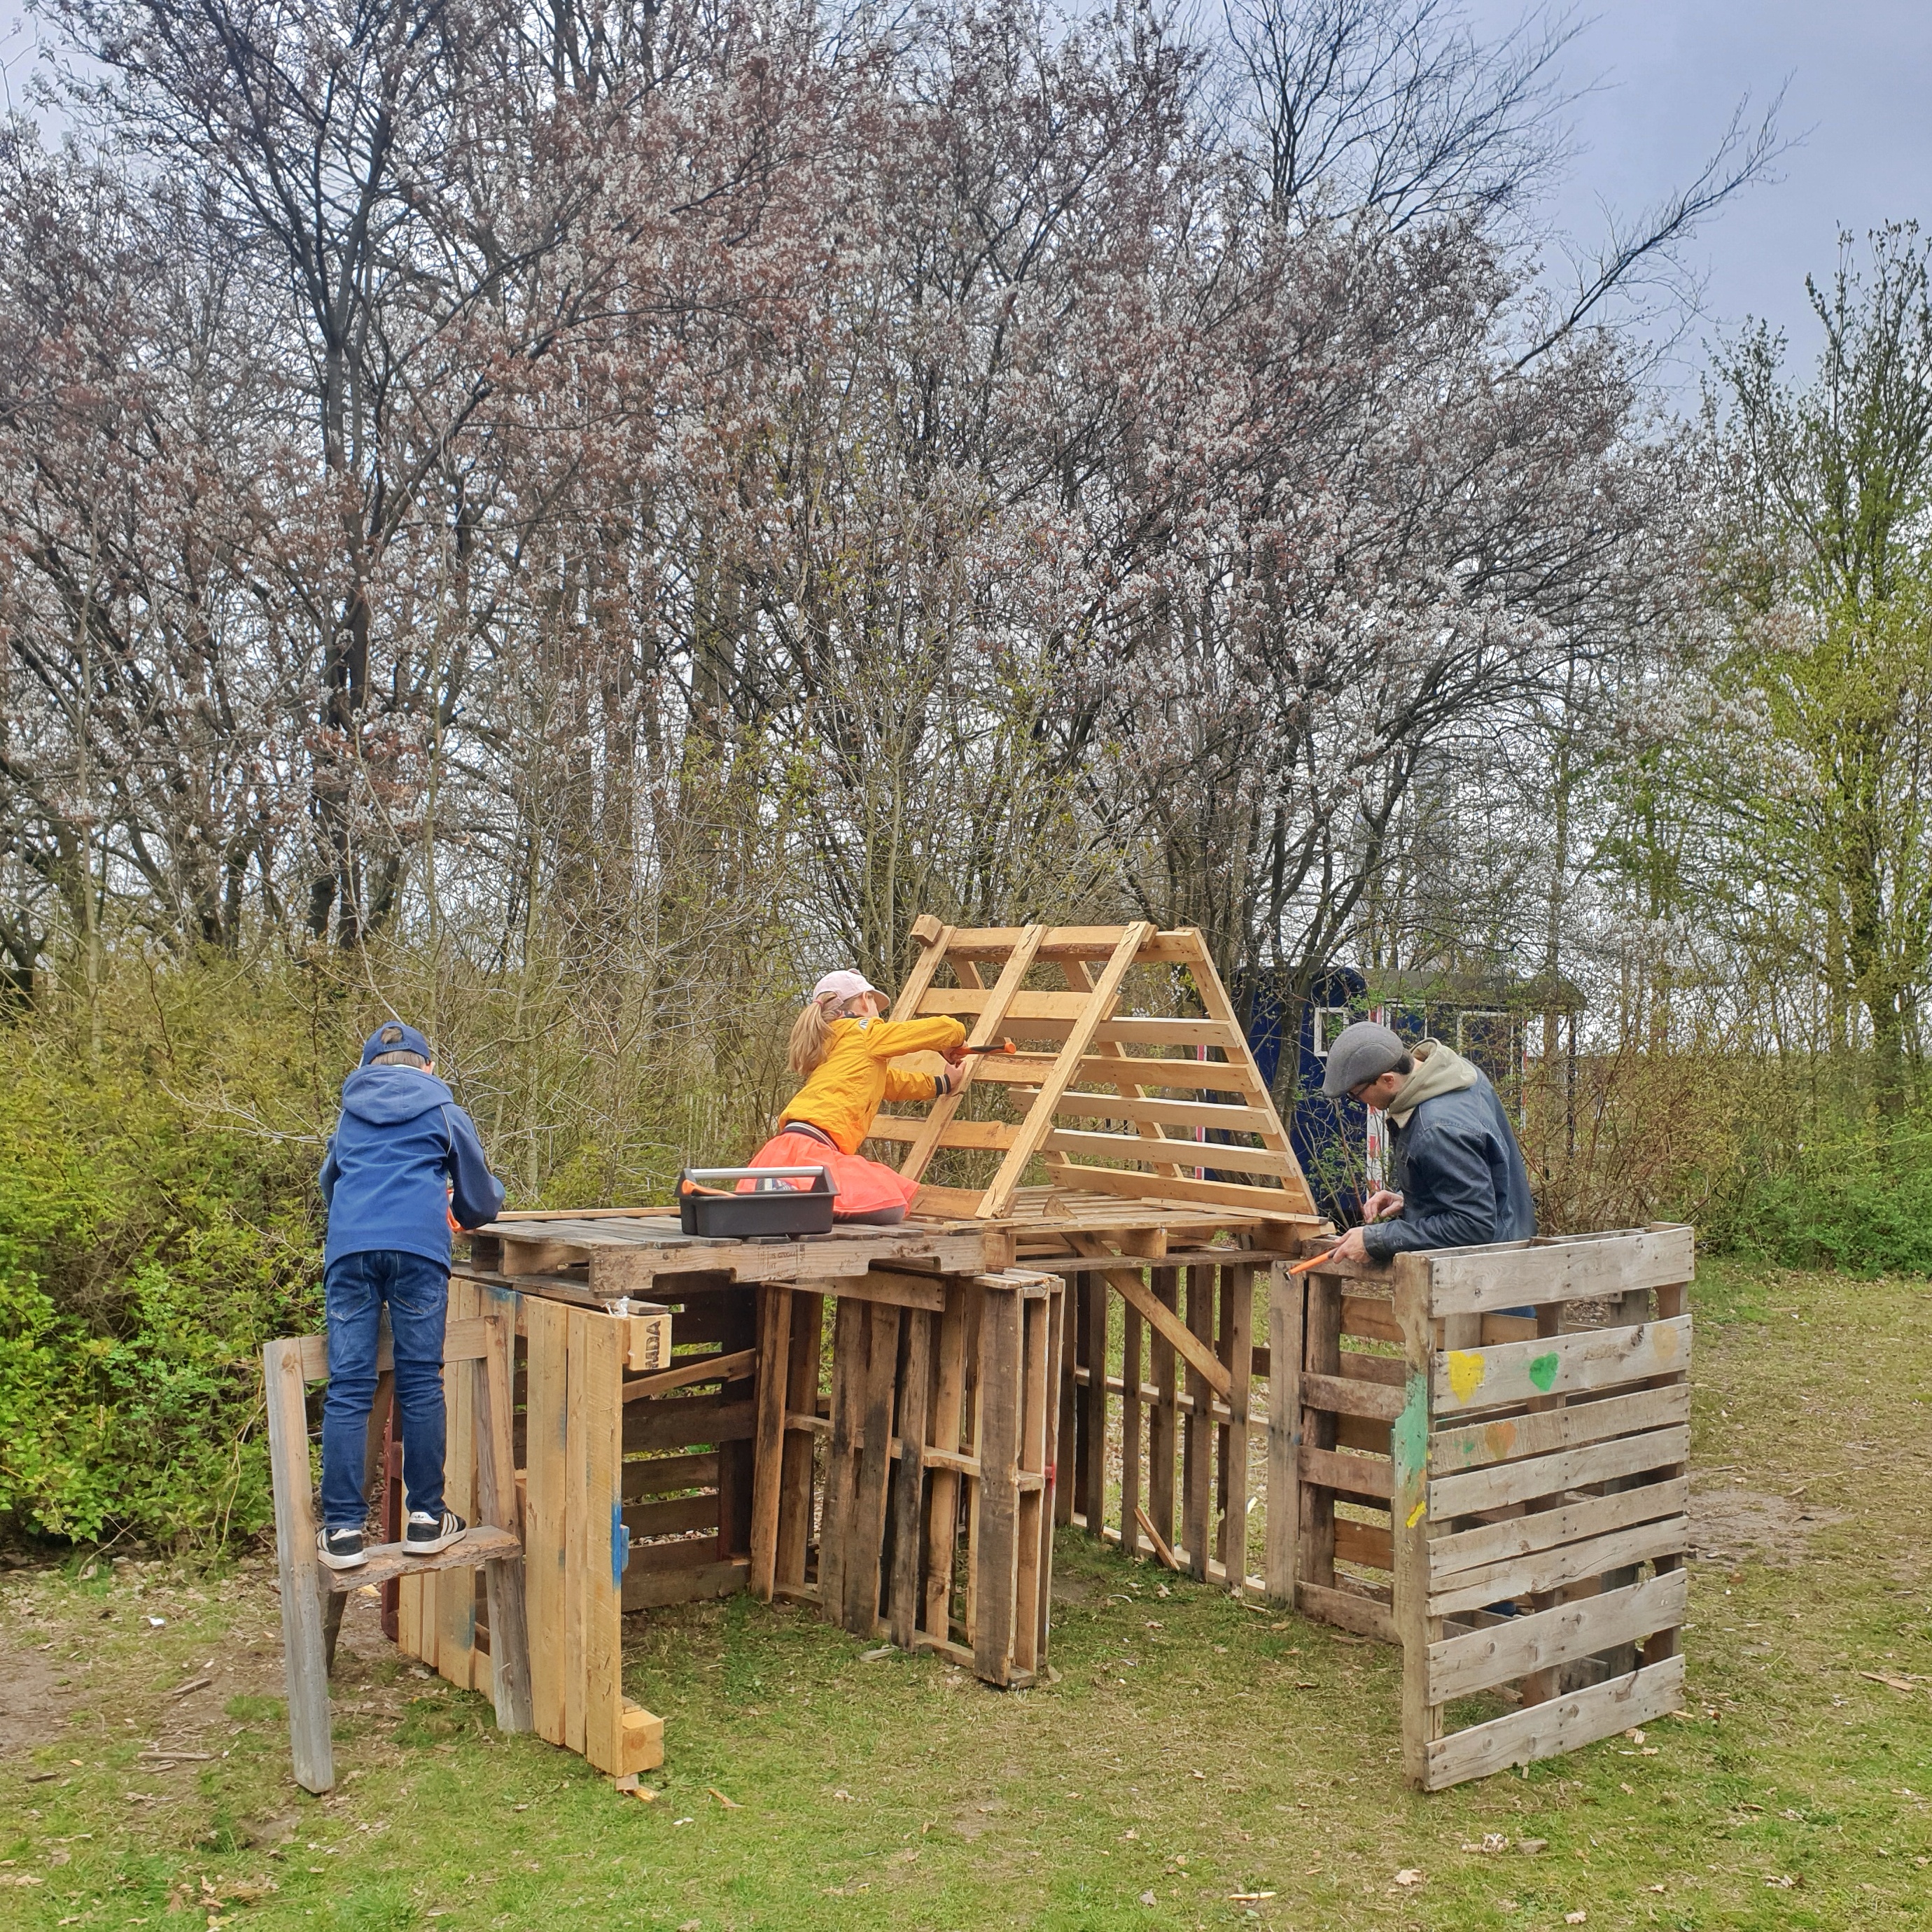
x: 1542, y: 1372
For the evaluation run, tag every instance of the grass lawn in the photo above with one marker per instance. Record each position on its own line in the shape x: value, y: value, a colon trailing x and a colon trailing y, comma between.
x: 1198, y: 1763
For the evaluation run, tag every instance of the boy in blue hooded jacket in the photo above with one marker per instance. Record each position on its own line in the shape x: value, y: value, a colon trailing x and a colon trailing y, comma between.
x: 404, y: 1167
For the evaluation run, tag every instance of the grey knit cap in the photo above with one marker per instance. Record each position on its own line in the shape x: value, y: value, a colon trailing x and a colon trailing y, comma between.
x: 1360, y: 1053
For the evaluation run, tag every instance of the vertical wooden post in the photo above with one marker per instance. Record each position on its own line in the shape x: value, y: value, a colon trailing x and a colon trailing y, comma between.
x: 995, y: 1553
x: 949, y: 1411
x: 1672, y: 1301
x: 1287, y: 1297
x: 375, y: 1448
x: 1054, y: 1329
x: 1161, y: 1424
x: 496, y: 1502
x: 904, y: 1596
x: 1067, y: 1495
x: 545, y: 1444
x: 1237, y: 1288
x: 454, y: 1592
x: 769, y: 1444
x: 1197, y: 1438
x: 1093, y: 1445
x: 866, y: 1525
x: 305, y: 1672
x: 841, y: 1454
x: 1322, y: 1357
x: 804, y: 1359
x: 576, y: 1501
x: 605, y: 1544
x: 1408, y: 1519
x: 1132, y: 1324
x: 1032, y: 1551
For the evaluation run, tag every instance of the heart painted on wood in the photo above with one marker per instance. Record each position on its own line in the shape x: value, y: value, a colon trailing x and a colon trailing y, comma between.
x: 1542, y: 1372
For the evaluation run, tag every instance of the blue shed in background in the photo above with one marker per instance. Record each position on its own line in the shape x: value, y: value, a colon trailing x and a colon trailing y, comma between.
x: 1486, y: 1018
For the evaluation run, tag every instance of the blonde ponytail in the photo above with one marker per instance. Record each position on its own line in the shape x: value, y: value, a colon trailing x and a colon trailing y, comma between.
x: 810, y: 1037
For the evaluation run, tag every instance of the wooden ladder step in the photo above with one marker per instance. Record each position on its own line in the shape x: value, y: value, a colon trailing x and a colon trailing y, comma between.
x: 484, y: 1544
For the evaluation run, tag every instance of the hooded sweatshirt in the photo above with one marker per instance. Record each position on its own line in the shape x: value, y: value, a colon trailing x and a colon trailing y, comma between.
x: 1455, y: 1162
x: 400, y: 1146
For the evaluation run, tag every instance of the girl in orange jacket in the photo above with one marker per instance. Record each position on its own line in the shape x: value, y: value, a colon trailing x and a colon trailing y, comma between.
x: 844, y: 1048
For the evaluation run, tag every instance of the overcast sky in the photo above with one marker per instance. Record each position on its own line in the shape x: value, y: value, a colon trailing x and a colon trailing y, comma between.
x: 1668, y: 73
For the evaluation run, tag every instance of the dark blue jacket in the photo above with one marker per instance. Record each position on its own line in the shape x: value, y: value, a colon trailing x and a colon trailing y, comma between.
x: 1460, y: 1175
x: 402, y: 1140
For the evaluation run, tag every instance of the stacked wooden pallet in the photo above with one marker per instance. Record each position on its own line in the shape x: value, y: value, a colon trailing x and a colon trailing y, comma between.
x: 915, y: 1501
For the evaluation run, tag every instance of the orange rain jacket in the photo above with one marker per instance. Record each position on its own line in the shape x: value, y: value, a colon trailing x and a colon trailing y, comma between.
x: 844, y: 1090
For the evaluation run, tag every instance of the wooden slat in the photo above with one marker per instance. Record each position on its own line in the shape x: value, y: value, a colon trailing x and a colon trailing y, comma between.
x: 454, y: 1595
x: 1276, y: 1202
x: 1371, y: 1317
x: 1554, y: 1569
x: 802, y: 1371
x: 960, y: 1001
x: 1492, y: 1543
x: 462, y: 1341
x: 662, y: 1475
x: 1562, y: 1724
x: 1473, y: 1281
x: 1502, y: 1484
x: 768, y: 1435
x: 670, y: 1516
x: 1347, y: 1395
x: 1368, y: 1544
x: 1202, y: 1114
x: 691, y: 1372
x: 1346, y: 1611
x: 1481, y: 1443
x: 1356, y: 1365
x: 650, y: 1589
x: 1348, y: 1475
x: 1287, y: 1296
x: 1315, y: 1531
x: 1237, y: 1331
x: 546, y: 1408
x: 904, y: 1593
x: 304, y: 1669
x: 977, y: 1134
x: 841, y: 1453
x: 1594, y: 1358
x: 947, y: 1420
x: 1460, y: 1666
x: 1162, y: 1420
x: 995, y: 1553
x: 509, y: 1662
x: 1417, y: 1624
x: 483, y: 1543
x: 866, y: 1524
x: 684, y: 1421
x: 578, y: 1424
x: 1196, y: 1153
x: 1183, y: 1075
x: 1197, y: 1433
x: 1057, y: 942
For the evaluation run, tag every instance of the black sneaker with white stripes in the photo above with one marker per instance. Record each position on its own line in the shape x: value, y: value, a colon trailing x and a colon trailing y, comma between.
x: 340, y: 1549
x: 425, y: 1535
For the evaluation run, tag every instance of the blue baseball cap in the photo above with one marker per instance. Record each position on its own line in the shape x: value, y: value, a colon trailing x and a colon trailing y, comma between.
x: 394, y: 1037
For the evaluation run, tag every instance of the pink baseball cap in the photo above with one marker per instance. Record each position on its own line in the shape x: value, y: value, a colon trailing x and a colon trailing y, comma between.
x: 844, y: 986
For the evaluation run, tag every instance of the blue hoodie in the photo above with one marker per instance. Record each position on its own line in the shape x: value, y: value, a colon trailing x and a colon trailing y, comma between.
x: 401, y: 1141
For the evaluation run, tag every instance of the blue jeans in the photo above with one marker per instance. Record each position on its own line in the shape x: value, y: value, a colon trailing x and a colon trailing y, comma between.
x: 354, y: 1289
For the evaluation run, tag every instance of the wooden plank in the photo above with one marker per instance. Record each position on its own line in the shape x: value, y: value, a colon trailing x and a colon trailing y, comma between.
x: 684, y: 1421
x: 654, y: 1589
x: 642, y: 1741
x: 1238, y: 1323
x: 1594, y: 1358
x: 889, y: 1289
x: 982, y: 1135
x: 1481, y: 1443
x: 1287, y: 1298
x: 692, y: 1371
x: 1322, y: 1355
x: 1365, y: 1476
x: 948, y: 1418
x: 496, y: 1497
x: 304, y: 1669
x: 1353, y: 1365
x: 462, y: 1341
x: 670, y: 1516
x: 577, y: 1502
x: 1197, y: 1436
x: 1492, y: 1543
x: 454, y: 1595
x: 1555, y: 1568
x: 1416, y: 1628
x: 1473, y: 1281
x: 1371, y: 1317
x: 1562, y: 1724
x: 995, y: 1553
x: 1188, y: 1075
x: 1277, y: 1203
x: 849, y: 1331
x: 866, y: 1552
x: 804, y: 1358
x: 1345, y: 1610
x: 1091, y: 1437
x: 1071, y: 942
x: 1190, y: 1114
x: 1370, y: 1545
x: 964, y: 1001
x: 1132, y: 1147
x: 483, y: 1543
x: 546, y: 1410
x: 1033, y: 1540
x: 774, y: 1355
x: 904, y: 1595
x: 1346, y: 1395
x: 663, y: 1475
x: 998, y: 1197
x: 1501, y: 1484
x: 1162, y: 1420
x: 992, y: 1008
x: 1049, y: 1381
x: 1460, y: 1666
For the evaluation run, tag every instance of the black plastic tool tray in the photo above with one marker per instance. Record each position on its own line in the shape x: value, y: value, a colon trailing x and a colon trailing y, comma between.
x: 769, y: 1214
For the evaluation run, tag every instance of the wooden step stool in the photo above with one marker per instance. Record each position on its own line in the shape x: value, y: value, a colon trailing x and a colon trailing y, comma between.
x: 289, y: 1366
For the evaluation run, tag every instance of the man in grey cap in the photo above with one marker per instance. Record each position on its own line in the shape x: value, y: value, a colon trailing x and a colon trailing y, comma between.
x: 1459, y: 1175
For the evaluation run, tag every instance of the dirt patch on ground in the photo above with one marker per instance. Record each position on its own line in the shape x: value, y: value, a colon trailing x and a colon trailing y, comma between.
x: 34, y: 1704
x: 1728, y: 1526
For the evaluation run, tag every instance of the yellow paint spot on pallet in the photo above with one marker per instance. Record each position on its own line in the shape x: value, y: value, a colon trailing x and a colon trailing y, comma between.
x: 1466, y: 1370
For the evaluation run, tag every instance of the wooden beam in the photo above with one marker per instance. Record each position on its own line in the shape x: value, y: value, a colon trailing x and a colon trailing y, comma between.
x: 1593, y: 1358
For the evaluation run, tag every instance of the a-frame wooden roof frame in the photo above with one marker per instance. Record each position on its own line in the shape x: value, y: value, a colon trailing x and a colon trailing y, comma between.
x: 1087, y: 1071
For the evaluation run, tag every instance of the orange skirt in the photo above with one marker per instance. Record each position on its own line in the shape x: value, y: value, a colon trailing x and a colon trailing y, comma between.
x: 864, y: 1186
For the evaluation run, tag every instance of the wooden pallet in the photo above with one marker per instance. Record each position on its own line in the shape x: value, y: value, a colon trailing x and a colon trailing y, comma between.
x: 1476, y: 1458
x: 915, y: 1502
x: 1090, y: 1067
